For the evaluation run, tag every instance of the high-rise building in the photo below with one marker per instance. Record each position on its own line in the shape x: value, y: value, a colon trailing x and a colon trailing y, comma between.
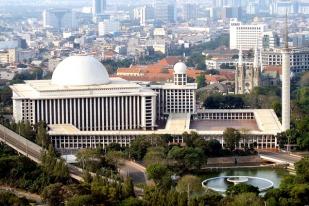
x: 59, y: 18
x: 98, y: 7
x: 108, y: 27
x: 231, y: 12
x: 143, y: 14
x: 190, y: 11
x: 165, y: 11
x: 245, y: 36
x: 270, y: 40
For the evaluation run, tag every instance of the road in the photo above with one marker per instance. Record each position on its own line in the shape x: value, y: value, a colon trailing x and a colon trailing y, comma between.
x: 281, y: 156
x: 133, y: 170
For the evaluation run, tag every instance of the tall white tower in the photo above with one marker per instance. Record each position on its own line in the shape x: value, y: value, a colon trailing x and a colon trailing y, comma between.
x: 286, y: 83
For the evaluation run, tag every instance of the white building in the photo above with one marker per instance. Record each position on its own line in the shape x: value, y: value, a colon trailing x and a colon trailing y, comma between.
x: 59, y: 18
x: 299, y: 58
x: 139, y: 13
x: 10, y: 56
x: 84, y: 108
x: 245, y: 37
x: 108, y: 27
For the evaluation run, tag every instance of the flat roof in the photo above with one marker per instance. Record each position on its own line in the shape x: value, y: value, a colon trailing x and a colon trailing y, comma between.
x: 41, y: 89
x: 265, y: 123
x: 178, y: 122
x: 221, y: 125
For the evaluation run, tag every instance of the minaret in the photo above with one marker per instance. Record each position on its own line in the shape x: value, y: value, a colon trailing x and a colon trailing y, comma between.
x: 256, y: 68
x: 240, y: 75
x: 286, y: 82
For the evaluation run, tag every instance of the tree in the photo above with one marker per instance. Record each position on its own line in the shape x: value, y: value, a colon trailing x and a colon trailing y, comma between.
x: 138, y: 148
x: 218, y: 101
x: 154, y: 155
x: 213, y: 147
x: 80, y: 200
x: 128, y: 188
x: 156, y: 172
x: 302, y: 169
x: 89, y: 159
x: 242, y: 188
x: 7, y: 199
x: 42, y: 136
x: 304, y: 80
x: 56, y: 168
x: 115, y: 158
x: 114, y: 147
x: 131, y: 201
x: 243, y: 199
x: 231, y: 138
x: 201, y: 81
x: 53, y: 194
x: 189, y: 183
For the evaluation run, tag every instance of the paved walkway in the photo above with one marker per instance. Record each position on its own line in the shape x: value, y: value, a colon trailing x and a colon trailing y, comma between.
x: 22, y: 193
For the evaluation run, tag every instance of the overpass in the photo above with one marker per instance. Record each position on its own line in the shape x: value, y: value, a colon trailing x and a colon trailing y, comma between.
x: 281, y: 158
x: 33, y: 151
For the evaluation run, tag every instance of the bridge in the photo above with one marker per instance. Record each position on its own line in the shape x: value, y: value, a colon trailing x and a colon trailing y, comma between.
x: 33, y: 151
x: 281, y: 158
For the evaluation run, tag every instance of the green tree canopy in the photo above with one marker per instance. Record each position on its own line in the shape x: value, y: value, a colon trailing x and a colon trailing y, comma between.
x: 189, y: 183
x: 242, y: 188
x: 231, y: 138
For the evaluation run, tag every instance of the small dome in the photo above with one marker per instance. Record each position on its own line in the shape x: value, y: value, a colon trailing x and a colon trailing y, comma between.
x: 180, y: 68
x: 80, y: 70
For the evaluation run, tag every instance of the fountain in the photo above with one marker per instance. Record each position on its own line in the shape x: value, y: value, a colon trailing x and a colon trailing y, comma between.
x: 220, y: 184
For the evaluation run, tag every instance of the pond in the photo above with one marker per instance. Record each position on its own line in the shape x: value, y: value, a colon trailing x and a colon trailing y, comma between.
x: 275, y: 175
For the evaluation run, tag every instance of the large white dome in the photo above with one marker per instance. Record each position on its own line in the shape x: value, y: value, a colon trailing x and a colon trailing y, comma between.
x: 80, y: 70
x: 180, y: 68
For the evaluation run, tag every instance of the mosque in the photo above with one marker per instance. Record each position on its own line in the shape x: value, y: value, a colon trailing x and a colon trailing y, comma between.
x: 85, y: 108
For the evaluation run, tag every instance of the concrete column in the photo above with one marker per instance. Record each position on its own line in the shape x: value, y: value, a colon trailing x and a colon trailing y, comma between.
x: 286, y: 89
x: 118, y: 113
x: 127, y: 113
x: 110, y: 114
x: 130, y: 112
x: 115, y: 114
x: 95, y: 113
x: 87, y: 114
x: 134, y: 112
x: 77, y: 102
x: 99, y: 113
x: 105, y: 113
x: 83, y: 114
x: 143, y: 113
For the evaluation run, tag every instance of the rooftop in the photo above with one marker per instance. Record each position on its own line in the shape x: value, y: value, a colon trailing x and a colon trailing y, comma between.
x: 265, y: 123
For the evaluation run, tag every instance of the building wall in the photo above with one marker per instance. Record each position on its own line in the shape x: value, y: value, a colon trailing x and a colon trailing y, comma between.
x: 299, y: 59
x: 62, y: 143
x: 246, y: 78
x: 91, y: 114
x: 245, y: 37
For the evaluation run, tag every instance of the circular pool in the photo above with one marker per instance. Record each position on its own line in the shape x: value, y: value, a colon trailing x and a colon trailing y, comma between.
x: 221, y: 183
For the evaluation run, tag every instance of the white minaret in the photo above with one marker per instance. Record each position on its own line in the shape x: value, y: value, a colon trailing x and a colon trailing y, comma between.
x: 286, y: 82
x: 256, y: 58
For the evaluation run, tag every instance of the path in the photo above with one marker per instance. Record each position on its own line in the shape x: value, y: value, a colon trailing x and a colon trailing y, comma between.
x: 22, y: 193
